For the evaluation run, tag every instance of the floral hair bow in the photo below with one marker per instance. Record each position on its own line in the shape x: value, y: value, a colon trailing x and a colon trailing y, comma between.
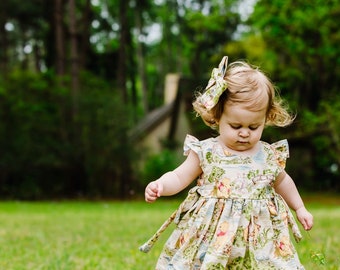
x: 216, y: 85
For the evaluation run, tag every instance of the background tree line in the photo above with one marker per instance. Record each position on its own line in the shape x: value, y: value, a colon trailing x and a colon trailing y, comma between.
x: 76, y: 75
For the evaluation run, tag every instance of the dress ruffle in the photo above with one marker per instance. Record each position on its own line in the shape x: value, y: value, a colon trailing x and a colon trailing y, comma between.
x: 191, y: 143
x: 281, y: 149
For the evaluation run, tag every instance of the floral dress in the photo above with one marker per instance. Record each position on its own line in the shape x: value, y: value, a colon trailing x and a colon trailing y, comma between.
x: 232, y: 218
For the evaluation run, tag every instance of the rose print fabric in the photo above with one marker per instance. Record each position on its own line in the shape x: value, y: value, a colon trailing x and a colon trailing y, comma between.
x: 233, y: 219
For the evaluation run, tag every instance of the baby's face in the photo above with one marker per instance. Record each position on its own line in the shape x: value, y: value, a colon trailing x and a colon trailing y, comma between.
x: 240, y: 128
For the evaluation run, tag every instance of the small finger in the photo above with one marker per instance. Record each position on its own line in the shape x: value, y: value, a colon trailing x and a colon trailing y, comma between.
x: 310, y: 226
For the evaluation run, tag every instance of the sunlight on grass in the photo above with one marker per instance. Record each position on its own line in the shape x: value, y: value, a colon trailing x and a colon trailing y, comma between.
x: 106, y: 235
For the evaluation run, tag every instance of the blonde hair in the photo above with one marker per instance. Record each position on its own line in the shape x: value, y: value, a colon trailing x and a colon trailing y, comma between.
x: 250, y: 87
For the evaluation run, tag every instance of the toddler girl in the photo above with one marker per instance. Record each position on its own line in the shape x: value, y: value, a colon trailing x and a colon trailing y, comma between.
x: 237, y: 216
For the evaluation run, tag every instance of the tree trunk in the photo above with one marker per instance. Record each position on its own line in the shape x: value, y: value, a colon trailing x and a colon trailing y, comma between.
x: 141, y: 59
x: 74, y: 57
x: 59, y: 38
x: 124, y: 175
x: 124, y: 44
x: 3, y: 38
x: 84, y: 46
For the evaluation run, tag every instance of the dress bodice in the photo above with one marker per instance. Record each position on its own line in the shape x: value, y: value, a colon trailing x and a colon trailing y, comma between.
x: 228, y: 175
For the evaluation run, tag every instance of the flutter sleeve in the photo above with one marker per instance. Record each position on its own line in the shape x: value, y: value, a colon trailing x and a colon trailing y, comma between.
x: 192, y: 143
x: 281, y: 150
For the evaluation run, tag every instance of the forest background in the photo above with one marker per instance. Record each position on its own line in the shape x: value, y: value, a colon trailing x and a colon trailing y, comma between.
x: 77, y: 75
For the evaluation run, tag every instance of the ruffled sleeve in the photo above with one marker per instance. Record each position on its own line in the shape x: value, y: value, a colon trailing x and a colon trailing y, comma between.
x: 281, y: 149
x: 191, y: 143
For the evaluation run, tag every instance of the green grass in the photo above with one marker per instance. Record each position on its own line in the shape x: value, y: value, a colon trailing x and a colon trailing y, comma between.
x: 106, y: 235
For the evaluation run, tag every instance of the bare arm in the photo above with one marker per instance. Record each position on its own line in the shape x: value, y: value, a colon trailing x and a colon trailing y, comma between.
x: 285, y: 186
x: 174, y: 181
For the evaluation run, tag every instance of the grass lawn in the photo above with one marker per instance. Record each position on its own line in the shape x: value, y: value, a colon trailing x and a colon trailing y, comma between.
x: 106, y: 235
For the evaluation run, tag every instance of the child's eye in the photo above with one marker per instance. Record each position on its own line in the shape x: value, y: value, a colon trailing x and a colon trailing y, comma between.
x: 235, y: 126
x: 253, y: 127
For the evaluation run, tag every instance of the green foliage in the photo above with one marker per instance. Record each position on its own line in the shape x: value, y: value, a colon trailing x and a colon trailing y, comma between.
x: 158, y: 164
x: 192, y: 35
x: 48, y: 151
x: 295, y: 42
x: 301, y: 40
x: 323, y: 129
x: 27, y: 128
x: 103, y: 123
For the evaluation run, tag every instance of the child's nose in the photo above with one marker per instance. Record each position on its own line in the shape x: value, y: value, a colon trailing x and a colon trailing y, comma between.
x: 244, y: 133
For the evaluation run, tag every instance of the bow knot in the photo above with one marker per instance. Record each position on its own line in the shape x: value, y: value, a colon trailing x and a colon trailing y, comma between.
x: 216, y: 85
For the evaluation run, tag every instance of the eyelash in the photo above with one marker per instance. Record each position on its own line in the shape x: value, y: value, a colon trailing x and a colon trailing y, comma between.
x: 238, y: 127
x: 235, y: 127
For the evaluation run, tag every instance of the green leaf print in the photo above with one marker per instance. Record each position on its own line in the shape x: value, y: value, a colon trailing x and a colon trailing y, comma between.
x: 215, y: 267
x: 239, y: 238
x: 209, y: 157
x: 237, y: 263
x: 263, y: 193
x: 215, y: 174
x: 246, y: 262
x: 252, y: 174
x: 263, y: 238
x: 190, y: 251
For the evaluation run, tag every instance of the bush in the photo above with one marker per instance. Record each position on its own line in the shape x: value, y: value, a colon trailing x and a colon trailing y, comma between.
x: 47, y: 151
x: 158, y: 164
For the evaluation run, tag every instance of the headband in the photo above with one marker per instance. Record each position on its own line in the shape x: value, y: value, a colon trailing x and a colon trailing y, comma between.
x: 216, y: 86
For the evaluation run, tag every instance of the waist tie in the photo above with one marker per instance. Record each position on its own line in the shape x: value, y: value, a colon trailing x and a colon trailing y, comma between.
x: 185, y: 206
x: 291, y: 220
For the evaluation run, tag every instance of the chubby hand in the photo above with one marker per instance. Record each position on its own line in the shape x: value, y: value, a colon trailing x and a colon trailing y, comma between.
x: 305, y: 218
x: 153, y: 190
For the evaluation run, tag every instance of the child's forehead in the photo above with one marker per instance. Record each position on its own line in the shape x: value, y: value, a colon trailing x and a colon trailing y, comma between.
x: 240, y: 113
x: 251, y: 99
